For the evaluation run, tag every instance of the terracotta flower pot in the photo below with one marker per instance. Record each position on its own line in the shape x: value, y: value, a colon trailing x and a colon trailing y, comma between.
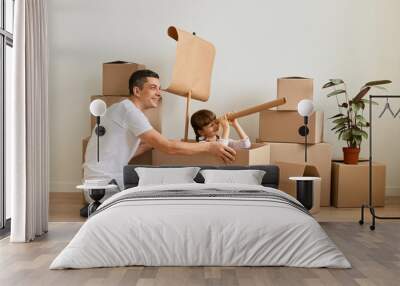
x: 350, y: 155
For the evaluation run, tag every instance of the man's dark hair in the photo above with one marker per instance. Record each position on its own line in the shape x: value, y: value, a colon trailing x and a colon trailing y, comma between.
x: 138, y: 78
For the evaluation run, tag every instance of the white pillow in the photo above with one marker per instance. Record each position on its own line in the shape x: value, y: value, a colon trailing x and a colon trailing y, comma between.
x: 249, y: 177
x: 164, y: 176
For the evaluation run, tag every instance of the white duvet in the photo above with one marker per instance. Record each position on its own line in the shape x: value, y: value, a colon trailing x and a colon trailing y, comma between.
x: 200, y: 231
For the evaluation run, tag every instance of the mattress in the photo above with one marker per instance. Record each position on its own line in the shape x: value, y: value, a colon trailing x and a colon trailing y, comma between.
x: 201, y: 225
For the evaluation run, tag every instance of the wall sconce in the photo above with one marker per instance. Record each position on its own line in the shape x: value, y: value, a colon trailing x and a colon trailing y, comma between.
x: 305, y: 108
x: 98, y: 108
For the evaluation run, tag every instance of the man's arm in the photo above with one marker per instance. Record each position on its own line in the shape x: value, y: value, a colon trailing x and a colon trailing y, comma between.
x: 159, y: 142
x: 143, y: 147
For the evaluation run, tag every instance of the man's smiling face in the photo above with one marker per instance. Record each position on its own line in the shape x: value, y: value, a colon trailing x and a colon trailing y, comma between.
x: 150, y: 94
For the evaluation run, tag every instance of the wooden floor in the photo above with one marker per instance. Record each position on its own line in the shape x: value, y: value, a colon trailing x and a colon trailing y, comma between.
x: 374, y: 255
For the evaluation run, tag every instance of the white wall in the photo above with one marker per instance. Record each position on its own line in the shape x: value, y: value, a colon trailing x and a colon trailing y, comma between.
x: 256, y: 41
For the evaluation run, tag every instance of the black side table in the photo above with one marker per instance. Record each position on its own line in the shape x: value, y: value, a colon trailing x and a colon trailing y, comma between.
x: 96, y: 193
x: 305, y: 190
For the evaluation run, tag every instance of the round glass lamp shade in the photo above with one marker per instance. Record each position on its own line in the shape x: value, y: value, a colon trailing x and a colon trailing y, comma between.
x: 98, y: 107
x: 305, y: 107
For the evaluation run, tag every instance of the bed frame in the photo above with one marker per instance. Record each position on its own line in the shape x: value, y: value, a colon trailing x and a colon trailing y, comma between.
x: 270, y: 179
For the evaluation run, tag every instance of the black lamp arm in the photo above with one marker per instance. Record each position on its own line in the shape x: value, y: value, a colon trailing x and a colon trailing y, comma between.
x: 100, y: 131
x: 305, y: 120
x: 303, y: 131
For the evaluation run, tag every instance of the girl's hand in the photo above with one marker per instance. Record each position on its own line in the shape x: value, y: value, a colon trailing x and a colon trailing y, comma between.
x: 233, y: 121
x: 224, y: 122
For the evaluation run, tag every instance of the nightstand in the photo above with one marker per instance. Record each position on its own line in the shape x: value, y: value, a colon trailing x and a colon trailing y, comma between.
x: 308, y: 191
x: 96, y: 193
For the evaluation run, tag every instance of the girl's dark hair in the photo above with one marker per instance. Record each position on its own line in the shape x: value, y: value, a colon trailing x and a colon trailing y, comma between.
x: 200, y: 119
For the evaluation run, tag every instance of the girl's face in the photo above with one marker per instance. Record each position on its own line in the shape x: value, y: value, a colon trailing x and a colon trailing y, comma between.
x: 210, y: 130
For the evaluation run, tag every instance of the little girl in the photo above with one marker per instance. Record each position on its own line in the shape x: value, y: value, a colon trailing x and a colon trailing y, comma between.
x: 206, y: 127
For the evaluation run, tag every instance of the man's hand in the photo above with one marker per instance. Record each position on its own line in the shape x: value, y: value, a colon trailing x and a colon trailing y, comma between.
x: 159, y: 142
x: 227, y: 154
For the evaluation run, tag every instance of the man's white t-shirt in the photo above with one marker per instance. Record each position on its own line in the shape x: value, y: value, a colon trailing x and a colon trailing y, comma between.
x: 124, y: 123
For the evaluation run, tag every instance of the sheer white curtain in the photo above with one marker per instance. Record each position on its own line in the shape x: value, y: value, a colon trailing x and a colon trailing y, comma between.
x: 28, y: 117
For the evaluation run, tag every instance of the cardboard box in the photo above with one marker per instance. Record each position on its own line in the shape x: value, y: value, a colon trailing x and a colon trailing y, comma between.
x: 258, y: 154
x: 116, y: 77
x: 294, y: 89
x: 143, y: 159
x: 319, y: 155
x: 154, y: 114
x: 287, y: 170
x: 283, y: 126
x: 350, y: 184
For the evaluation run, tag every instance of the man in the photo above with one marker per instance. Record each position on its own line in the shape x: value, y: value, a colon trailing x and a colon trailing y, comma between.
x: 127, y: 127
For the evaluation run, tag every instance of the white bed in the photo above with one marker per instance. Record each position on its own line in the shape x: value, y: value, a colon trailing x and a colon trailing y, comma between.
x: 185, y: 230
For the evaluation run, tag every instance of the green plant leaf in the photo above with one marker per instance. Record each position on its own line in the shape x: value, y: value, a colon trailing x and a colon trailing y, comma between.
x: 355, y: 107
x: 359, y: 105
x: 340, y: 120
x: 377, y: 82
x: 367, y: 101
x: 380, y: 87
x: 360, y: 133
x: 346, y: 135
x: 360, y: 118
x: 364, y: 134
x: 339, y: 126
x: 328, y: 84
x: 361, y: 94
x: 336, y: 92
x: 336, y: 81
x: 357, y: 132
x: 341, y: 129
x: 337, y: 115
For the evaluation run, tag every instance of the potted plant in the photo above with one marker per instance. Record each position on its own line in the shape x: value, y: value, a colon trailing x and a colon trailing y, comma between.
x: 350, y: 122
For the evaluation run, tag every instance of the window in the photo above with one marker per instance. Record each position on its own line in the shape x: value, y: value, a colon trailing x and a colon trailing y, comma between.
x: 6, y: 60
x: 9, y: 17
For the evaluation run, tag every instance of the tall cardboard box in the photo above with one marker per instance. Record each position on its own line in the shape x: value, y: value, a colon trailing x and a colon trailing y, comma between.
x: 258, y: 154
x: 283, y: 126
x: 319, y: 155
x: 288, y: 169
x: 116, y: 77
x: 294, y: 89
x: 350, y: 184
x: 153, y: 114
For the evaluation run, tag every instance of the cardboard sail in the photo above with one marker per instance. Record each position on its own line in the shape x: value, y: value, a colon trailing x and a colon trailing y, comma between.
x: 193, y: 65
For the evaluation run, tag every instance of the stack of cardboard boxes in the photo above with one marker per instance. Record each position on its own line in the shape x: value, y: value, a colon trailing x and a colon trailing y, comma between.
x: 279, y: 142
x: 115, y: 89
x: 279, y: 128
